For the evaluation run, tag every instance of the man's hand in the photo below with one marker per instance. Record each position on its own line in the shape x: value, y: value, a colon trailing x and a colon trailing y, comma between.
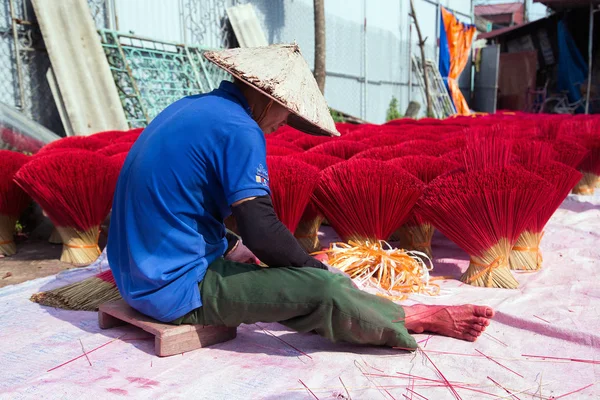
x: 241, y: 254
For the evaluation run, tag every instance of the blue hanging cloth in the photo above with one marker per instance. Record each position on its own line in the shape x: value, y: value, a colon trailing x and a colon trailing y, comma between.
x: 572, y: 69
x: 444, y: 63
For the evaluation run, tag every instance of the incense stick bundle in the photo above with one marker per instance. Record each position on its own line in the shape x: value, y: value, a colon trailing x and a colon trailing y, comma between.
x: 427, y: 147
x: 86, y: 295
x: 75, y: 189
x: 307, y: 231
x: 384, y: 153
x: 13, y: 200
x: 115, y: 136
x: 569, y: 152
x: 484, y: 212
x: 416, y: 233
x: 339, y: 148
x: 90, y: 143
x: 345, y: 127
x: 115, y: 148
x: 274, y: 141
x: 526, y: 253
x: 308, y: 142
x: 590, y: 166
x: 365, y: 200
x: 292, y: 183
x: 384, y: 140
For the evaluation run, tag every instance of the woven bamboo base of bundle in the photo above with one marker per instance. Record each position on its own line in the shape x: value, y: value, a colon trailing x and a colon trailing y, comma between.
x: 416, y: 237
x: 79, y: 248
x: 86, y: 295
x: 7, y: 235
x: 587, y: 184
x: 307, y: 234
x: 526, y: 254
x: 491, y: 269
x: 55, y: 237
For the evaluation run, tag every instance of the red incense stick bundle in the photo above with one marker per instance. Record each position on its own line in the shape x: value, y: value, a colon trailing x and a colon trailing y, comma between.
x: 569, y: 152
x: 90, y: 143
x: 13, y: 200
x: 526, y: 253
x: 115, y: 148
x: 292, y: 183
x: 590, y: 166
x: 308, y: 142
x: 307, y: 231
x: 364, y: 201
x: 339, y: 148
x: 416, y: 233
x: 484, y: 212
x: 275, y: 150
x: 384, y: 153
x: 75, y: 189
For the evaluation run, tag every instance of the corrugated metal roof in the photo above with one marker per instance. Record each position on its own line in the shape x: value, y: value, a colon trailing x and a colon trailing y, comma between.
x: 502, y: 31
x: 246, y: 26
x: 495, y: 9
x: 82, y: 72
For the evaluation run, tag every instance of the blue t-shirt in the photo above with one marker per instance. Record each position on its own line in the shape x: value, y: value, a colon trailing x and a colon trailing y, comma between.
x: 195, y: 159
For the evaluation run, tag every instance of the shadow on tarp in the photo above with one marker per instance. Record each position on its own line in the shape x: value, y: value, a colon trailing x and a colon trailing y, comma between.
x: 455, y: 260
x: 579, y: 206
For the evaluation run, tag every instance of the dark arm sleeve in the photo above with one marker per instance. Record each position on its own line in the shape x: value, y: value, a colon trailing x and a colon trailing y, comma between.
x: 268, y: 238
x: 232, y: 240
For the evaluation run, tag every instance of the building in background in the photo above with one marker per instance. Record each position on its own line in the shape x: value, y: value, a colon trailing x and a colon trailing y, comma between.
x: 502, y: 15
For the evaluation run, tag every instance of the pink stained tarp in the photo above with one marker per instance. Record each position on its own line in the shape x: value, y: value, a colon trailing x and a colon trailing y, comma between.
x: 554, y: 312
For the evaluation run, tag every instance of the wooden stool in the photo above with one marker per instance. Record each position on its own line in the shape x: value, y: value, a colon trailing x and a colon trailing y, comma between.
x: 168, y: 339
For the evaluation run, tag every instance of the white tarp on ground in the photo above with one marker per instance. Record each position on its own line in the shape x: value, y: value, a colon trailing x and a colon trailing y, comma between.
x: 555, y: 313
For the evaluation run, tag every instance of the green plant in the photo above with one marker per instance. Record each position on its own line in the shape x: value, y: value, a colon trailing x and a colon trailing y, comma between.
x: 392, y: 111
x: 18, y: 228
x: 337, y: 116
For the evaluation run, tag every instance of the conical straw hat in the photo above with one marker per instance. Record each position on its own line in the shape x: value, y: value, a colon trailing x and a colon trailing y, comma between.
x: 280, y: 72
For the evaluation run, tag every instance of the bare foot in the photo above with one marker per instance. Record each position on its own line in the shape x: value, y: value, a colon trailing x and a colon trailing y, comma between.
x: 466, y: 322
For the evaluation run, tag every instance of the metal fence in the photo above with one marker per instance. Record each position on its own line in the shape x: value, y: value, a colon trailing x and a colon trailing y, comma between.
x: 151, y: 74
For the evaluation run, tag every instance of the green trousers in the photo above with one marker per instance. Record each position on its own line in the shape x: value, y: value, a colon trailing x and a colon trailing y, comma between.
x: 303, y: 299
